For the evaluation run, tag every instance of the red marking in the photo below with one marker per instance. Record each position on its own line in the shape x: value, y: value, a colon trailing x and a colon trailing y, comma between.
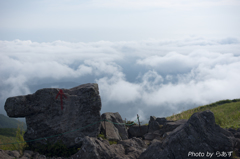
x: 61, y: 94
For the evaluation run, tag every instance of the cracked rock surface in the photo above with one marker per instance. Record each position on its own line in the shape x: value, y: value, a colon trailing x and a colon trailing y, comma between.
x: 44, y: 116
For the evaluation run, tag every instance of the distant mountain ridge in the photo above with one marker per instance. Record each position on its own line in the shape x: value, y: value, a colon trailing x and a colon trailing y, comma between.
x: 6, y: 122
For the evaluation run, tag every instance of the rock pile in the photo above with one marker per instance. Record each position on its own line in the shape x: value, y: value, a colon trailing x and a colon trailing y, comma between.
x: 161, y: 139
x: 198, y: 137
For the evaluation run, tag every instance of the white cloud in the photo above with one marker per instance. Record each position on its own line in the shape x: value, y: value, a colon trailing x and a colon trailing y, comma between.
x: 170, y: 74
x: 143, y: 4
x: 118, y: 89
x: 101, y: 67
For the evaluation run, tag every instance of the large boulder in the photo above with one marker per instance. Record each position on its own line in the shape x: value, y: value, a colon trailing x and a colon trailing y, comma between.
x: 135, y: 131
x: 45, y: 118
x: 93, y: 148
x: 114, y: 128
x: 198, y: 137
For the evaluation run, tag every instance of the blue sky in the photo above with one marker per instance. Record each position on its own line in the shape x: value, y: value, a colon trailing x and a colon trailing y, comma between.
x: 148, y: 57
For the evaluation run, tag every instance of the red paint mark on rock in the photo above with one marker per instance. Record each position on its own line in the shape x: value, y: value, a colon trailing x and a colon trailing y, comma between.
x: 60, y: 92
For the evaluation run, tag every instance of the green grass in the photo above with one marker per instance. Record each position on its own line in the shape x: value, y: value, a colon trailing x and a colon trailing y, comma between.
x: 7, y: 136
x: 226, y: 113
x: 9, y: 132
x: 101, y: 135
x: 112, y: 142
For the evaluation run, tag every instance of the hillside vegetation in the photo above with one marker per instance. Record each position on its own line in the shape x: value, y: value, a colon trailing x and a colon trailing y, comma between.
x: 226, y: 113
x: 6, y: 122
x: 12, y: 135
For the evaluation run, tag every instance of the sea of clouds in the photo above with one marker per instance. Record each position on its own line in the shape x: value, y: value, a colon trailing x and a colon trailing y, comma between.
x: 150, y: 77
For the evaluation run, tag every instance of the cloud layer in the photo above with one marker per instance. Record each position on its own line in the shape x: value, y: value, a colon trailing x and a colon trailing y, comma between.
x: 151, y: 77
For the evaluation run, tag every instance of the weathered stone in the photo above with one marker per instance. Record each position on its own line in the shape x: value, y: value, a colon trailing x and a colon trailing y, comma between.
x: 152, y: 118
x: 115, y: 128
x: 161, y: 121
x: 232, y: 130
x: 44, y: 116
x: 236, y: 143
x: 199, y: 133
x: 154, y: 141
x: 152, y: 135
x: 96, y: 149
x: 134, y: 131
x: 164, y: 130
x: 14, y: 153
x: 133, y: 147
x: 153, y: 125
x: 6, y: 154
x: 93, y: 148
x: 237, y: 135
x: 171, y: 125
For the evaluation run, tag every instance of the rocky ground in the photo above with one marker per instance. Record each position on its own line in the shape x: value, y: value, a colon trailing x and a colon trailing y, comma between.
x: 199, y: 136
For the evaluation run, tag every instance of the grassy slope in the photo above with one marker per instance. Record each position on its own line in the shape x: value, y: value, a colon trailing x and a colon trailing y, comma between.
x: 226, y: 113
x: 11, y: 135
x: 6, y: 122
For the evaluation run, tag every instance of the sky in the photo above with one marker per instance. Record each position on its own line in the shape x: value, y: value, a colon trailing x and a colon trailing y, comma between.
x: 149, y: 57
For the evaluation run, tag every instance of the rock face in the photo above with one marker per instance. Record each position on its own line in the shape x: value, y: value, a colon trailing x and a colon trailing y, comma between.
x: 44, y: 116
x: 198, y: 134
x: 116, y: 131
x: 134, y: 131
x: 94, y: 148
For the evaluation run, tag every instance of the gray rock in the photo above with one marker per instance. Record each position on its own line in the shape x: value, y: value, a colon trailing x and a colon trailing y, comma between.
x: 97, y: 149
x: 171, y: 125
x: 152, y: 135
x: 115, y: 131
x: 93, y: 148
x: 44, y: 116
x: 236, y: 143
x: 133, y: 147
x: 198, y: 134
x: 232, y: 130
x: 5, y: 154
x: 154, y: 141
x: 237, y: 135
x: 134, y: 131
x: 153, y: 125
x: 164, y: 130
x: 152, y: 118
x: 161, y: 121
